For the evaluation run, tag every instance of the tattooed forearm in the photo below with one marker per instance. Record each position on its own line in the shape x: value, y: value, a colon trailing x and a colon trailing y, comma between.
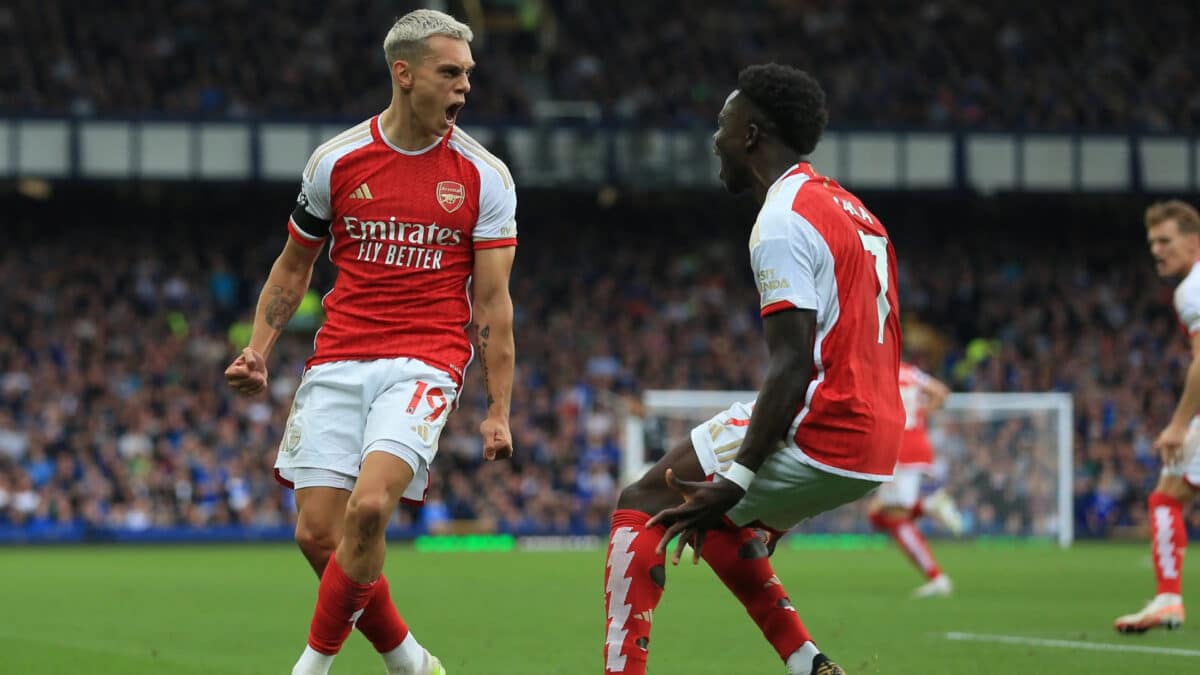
x: 484, y: 333
x: 282, y: 304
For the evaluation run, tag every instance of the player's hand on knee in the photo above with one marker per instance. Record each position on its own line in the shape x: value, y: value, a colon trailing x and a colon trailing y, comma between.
x: 705, y: 504
x: 248, y: 373
x: 497, y: 439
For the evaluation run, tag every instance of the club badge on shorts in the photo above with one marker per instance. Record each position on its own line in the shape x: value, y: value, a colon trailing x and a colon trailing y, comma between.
x: 291, y: 432
x: 451, y: 195
x: 292, y: 441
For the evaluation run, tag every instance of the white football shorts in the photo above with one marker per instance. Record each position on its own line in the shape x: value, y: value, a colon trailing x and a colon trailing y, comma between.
x: 346, y: 409
x: 905, y: 489
x: 1188, y: 466
x: 785, y: 491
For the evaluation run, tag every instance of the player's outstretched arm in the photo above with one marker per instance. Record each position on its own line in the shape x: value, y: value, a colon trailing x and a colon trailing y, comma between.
x: 1170, y: 441
x: 280, y: 297
x: 494, y: 330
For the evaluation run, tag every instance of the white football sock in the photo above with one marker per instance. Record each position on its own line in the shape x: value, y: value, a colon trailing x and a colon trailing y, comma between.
x: 313, y: 662
x: 408, y: 658
x: 800, y: 662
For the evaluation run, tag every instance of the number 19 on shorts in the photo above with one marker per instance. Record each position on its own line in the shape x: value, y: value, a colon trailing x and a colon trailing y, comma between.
x: 434, y: 398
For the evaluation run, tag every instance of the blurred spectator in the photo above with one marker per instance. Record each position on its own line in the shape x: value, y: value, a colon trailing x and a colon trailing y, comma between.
x: 928, y: 63
x: 111, y: 416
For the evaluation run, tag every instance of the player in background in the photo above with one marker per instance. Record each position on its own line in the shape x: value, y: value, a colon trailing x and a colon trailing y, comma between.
x: 1173, y: 232
x: 898, y: 503
x: 419, y: 218
x: 827, y: 423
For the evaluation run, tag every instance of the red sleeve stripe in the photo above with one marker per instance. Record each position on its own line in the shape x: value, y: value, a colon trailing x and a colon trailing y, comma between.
x: 303, y: 238
x: 481, y: 244
x: 777, y: 306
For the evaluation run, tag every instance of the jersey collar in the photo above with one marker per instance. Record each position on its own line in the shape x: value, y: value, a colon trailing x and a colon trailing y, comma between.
x: 378, y: 129
x: 800, y: 168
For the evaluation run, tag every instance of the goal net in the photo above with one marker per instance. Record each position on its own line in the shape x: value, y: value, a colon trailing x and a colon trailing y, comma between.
x: 1006, y: 459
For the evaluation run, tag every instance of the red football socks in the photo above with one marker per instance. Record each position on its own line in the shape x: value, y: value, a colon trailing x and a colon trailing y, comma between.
x: 633, y: 584
x: 740, y: 560
x: 910, y: 540
x: 1168, y: 539
x: 340, y: 602
x: 380, y: 622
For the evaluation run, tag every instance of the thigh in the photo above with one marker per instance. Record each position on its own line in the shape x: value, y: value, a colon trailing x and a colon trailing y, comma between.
x: 1189, y: 465
x: 710, y: 447
x: 650, y: 493
x: 406, y: 418
x: 321, y: 509
x: 385, y: 477
x: 787, y: 492
x: 1183, y: 476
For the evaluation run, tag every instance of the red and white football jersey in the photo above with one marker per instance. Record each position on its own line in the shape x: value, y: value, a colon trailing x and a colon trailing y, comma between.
x: 403, y: 229
x: 915, y: 447
x: 815, y: 246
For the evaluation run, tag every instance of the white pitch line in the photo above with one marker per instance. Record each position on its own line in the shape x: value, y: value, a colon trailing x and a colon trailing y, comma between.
x: 1068, y: 644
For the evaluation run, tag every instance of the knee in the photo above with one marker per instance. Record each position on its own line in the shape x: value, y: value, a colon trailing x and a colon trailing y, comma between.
x: 317, y: 545
x: 640, y: 496
x: 878, y: 519
x: 885, y: 516
x: 315, y: 541
x: 1176, y: 488
x: 367, y: 513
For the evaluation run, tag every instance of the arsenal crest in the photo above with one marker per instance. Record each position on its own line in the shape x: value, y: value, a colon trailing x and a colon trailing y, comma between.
x: 451, y: 195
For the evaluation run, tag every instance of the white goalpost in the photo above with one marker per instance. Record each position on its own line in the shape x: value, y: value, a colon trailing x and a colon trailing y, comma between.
x: 1006, y: 458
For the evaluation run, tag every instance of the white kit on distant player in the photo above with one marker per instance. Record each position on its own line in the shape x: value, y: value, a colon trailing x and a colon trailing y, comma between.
x: 1187, y: 307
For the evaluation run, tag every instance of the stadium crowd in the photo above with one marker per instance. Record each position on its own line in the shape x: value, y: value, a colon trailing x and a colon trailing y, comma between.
x: 113, y: 409
x: 931, y: 63
x: 114, y: 412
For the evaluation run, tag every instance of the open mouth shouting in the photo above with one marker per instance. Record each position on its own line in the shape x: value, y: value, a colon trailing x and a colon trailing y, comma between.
x: 452, y: 112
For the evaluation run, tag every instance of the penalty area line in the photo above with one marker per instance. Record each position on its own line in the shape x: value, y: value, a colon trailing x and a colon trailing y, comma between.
x: 1067, y: 644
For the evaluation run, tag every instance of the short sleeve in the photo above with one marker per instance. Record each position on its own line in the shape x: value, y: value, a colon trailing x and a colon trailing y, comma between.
x: 785, y: 267
x: 309, y: 224
x: 497, y: 224
x: 1187, y: 304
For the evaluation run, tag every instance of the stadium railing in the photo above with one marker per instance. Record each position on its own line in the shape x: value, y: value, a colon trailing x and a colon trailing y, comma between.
x: 589, y: 155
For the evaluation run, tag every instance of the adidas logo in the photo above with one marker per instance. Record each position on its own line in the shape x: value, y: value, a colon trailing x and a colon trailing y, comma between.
x: 363, y: 192
x: 647, y: 616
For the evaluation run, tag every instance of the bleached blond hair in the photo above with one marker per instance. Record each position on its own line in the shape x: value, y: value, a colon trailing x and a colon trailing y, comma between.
x: 406, y: 39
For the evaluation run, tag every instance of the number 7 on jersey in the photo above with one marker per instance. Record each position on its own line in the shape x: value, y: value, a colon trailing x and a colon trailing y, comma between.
x: 877, y: 247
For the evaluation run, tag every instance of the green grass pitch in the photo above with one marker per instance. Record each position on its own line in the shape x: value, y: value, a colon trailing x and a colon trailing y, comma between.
x: 198, y: 610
